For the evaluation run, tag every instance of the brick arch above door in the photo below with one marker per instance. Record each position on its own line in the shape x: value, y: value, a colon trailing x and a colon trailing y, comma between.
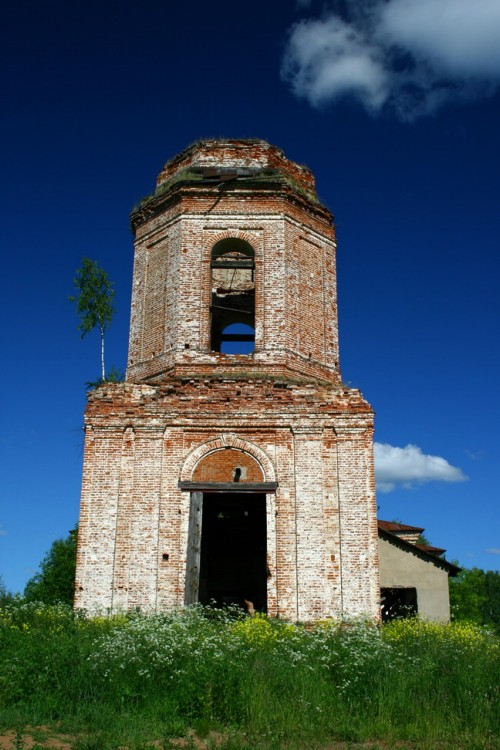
x: 228, y: 465
x: 247, y: 456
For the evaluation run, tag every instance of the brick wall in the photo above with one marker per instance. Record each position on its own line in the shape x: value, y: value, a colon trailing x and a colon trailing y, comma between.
x: 322, y: 541
x: 295, y: 287
x: 279, y: 415
x: 228, y: 465
x: 234, y: 155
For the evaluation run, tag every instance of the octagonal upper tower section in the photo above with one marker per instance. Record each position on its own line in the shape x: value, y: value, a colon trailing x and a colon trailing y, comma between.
x: 228, y: 160
x: 234, y: 269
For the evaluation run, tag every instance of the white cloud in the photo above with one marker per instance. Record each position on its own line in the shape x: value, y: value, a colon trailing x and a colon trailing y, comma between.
x: 328, y: 59
x: 493, y: 550
x: 456, y: 37
x: 2, y: 530
x: 406, y: 466
x: 411, y: 56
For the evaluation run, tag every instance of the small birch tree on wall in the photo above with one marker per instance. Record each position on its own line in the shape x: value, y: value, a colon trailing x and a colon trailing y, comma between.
x: 94, y: 301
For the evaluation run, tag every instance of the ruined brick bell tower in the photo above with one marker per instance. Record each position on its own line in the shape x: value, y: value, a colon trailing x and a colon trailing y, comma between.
x: 232, y: 464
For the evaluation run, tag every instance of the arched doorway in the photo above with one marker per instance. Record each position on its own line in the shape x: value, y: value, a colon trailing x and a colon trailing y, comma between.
x: 228, y: 555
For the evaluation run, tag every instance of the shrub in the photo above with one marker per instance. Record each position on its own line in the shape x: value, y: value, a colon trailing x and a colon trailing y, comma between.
x: 158, y: 675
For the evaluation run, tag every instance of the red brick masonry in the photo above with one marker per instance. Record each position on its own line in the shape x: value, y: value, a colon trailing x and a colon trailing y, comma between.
x: 189, y: 414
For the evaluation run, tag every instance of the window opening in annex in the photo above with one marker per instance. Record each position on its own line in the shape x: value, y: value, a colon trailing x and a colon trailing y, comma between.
x: 233, y: 297
x: 398, y: 602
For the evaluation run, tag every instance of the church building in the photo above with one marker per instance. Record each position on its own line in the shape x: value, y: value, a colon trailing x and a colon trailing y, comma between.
x: 232, y: 465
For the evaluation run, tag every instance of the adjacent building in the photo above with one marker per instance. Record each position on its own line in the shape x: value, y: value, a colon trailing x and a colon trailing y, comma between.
x: 413, y: 576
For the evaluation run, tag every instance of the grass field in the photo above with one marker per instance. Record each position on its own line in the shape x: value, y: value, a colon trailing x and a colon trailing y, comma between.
x: 212, y: 678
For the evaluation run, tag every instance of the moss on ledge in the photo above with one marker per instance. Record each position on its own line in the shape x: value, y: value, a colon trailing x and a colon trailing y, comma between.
x: 250, y: 180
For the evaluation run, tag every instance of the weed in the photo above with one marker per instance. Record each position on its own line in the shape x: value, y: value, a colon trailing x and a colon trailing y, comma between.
x: 125, y: 680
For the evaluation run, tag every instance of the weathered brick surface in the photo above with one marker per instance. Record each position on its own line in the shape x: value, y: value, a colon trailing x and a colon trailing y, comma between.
x: 233, y: 155
x: 189, y: 414
x: 228, y: 465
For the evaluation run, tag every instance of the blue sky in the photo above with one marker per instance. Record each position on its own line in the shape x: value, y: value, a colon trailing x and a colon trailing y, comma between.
x: 395, y: 106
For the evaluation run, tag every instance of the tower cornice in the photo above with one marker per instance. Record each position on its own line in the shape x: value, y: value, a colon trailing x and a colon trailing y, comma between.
x: 247, y: 189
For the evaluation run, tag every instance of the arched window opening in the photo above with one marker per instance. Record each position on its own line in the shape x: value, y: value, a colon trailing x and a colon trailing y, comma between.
x: 233, y: 297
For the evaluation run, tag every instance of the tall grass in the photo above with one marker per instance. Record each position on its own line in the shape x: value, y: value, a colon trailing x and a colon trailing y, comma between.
x: 133, y: 677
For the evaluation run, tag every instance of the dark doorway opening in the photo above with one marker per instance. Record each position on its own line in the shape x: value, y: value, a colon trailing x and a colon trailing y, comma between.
x: 398, y: 602
x: 233, y: 566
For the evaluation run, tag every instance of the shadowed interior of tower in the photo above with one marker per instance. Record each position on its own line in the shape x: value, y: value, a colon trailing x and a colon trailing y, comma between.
x: 233, y: 549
